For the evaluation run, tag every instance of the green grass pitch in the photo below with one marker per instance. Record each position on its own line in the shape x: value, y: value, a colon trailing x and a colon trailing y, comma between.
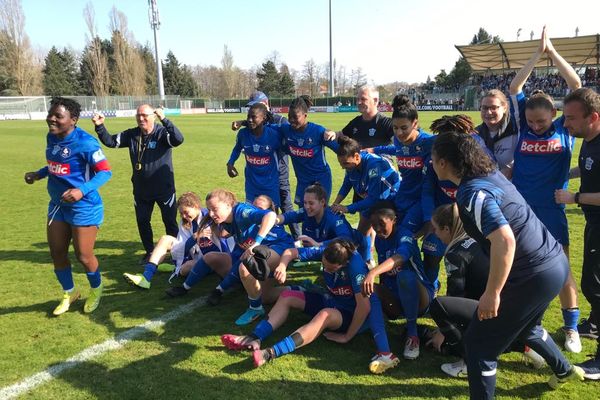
x: 184, y: 359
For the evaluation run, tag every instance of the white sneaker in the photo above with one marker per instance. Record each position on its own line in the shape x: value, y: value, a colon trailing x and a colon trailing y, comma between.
x: 411, y: 348
x: 531, y: 357
x: 457, y: 369
x: 572, y: 341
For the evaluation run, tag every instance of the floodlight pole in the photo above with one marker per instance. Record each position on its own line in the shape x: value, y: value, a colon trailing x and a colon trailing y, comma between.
x: 331, y: 72
x: 155, y: 25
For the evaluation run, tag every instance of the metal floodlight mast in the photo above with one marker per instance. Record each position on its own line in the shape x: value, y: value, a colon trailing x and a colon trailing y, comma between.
x: 155, y: 25
x: 331, y: 72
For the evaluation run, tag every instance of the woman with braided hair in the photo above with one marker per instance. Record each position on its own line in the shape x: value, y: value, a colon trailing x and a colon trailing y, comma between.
x: 542, y: 164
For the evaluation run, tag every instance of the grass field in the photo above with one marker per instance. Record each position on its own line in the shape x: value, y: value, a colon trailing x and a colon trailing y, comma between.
x: 184, y: 358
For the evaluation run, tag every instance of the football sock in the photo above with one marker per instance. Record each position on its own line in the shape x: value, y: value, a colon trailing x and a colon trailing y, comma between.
x: 94, y: 278
x: 149, y: 271
x: 65, y: 278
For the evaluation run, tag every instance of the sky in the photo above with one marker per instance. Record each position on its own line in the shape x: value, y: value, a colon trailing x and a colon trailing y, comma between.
x: 391, y: 40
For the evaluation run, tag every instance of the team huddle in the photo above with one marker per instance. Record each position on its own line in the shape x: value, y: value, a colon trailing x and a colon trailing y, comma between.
x: 489, y: 200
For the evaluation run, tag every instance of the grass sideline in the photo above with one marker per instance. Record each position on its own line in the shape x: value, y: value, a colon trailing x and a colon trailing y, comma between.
x: 184, y: 358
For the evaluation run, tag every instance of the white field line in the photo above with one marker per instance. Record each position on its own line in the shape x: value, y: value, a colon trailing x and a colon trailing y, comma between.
x: 115, y: 343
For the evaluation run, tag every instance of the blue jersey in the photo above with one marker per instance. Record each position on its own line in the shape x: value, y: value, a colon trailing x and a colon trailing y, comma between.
x: 411, y: 159
x: 307, y: 150
x: 542, y: 162
x: 435, y: 192
x: 374, y: 179
x: 246, y: 223
x: 402, y: 243
x: 75, y: 162
x: 261, y: 172
x: 330, y: 227
x: 490, y: 202
x: 344, y: 283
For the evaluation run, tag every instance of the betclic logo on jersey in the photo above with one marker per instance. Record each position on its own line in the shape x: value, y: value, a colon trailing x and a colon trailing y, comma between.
x: 410, y: 162
x: 299, y: 152
x: 541, y: 146
x: 56, y: 168
x: 257, y: 160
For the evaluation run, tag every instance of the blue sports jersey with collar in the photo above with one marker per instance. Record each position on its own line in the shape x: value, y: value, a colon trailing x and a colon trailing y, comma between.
x: 75, y: 162
x: 246, y: 223
x: 330, y: 227
x: 374, y: 179
x: 344, y: 283
x: 402, y: 243
x: 261, y: 172
x: 307, y: 150
x: 490, y: 202
x: 411, y: 160
x: 542, y: 162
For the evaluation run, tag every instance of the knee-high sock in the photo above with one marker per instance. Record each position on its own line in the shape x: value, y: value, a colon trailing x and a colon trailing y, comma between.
x: 65, y: 278
x: 149, y: 271
x: 409, y: 297
x: 94, y: 278
x: 377, y: 325
x: 263, y: 329
x: 198, y: 271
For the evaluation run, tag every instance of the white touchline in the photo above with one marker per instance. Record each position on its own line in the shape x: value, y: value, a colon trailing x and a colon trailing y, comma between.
x: 115, y: 343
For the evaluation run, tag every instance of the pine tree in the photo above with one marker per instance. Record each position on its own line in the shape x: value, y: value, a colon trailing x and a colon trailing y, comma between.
x: 268, y: 79
x: 286, y: 82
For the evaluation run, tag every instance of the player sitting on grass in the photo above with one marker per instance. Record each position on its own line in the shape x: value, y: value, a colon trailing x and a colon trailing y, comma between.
x: 343, y: 312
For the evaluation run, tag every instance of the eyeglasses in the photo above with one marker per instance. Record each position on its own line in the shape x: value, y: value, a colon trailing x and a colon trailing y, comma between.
x: 143, y: 115
x: 490, y: 108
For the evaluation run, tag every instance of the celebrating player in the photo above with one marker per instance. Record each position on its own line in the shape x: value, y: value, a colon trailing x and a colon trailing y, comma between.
x: 150, y: 148
x: 76, y: 169
x: 542, y: 163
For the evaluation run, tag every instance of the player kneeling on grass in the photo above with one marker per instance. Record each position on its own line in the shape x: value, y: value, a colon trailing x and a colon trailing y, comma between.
x: 403, y: 285
x: 189, y: 245
x: 343, y: 312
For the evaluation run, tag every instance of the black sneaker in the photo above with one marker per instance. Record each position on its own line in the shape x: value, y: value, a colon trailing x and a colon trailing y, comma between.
x: 176, y: 291
x: 214, y: 298
x: 587, y: 329
x: 591, y: 369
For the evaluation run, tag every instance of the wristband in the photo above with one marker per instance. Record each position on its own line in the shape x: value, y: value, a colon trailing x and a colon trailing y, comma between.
x: 577, y: 198
x: 258, y: 239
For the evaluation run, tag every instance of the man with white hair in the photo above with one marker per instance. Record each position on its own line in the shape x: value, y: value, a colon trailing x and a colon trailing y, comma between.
x: 370, y: 128
x: 153, y: 180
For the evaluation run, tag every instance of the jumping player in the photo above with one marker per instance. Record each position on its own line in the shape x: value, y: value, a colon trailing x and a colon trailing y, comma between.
x: 76, y: 169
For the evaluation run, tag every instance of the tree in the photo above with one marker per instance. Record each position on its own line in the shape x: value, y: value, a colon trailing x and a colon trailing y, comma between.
x: 286, y: 82
x: 178, y: 79
x: 268, y: 79
x: 483, y: 37
x: 357, y: 79
x: 441, y: 79
x: 150, y: 68
x: 94, y: 72
x: 23, y: 73
x: 128, y: 76
x: 227, y: 74
x: 60, y: 73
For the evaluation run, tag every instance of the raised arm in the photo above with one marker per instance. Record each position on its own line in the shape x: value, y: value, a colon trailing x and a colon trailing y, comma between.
x: 564, y: 68
x: 516, y: 85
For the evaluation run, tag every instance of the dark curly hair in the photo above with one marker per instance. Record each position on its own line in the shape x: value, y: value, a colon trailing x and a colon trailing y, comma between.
x: 462, y: 151
x: 348, y: 147
x: 72, y: 106
x: 453, y: 123
x: 404, y: 108
x: 302, y: 103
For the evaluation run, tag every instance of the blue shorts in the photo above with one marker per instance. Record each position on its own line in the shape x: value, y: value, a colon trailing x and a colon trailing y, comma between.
x: 324, y: 180
x: 433, y: 246
x: 92, y: 215
x: 410, y: 216
x: 315, y: 302
x: 555, y: 220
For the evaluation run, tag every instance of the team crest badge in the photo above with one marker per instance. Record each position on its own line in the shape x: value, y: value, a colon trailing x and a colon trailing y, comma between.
x: 354, y: 130
x: 371, y: 131
x: 588, y: 163
x: 98, y: 155
x: 359, y: 279
x: 55, y: 149
x: 65, y: 152
x: 256, y: 148
x: 405, y: 150
x: 300, y: 142
x: 373, y: 173
x: 152, y: 145
x: 246, y: 213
